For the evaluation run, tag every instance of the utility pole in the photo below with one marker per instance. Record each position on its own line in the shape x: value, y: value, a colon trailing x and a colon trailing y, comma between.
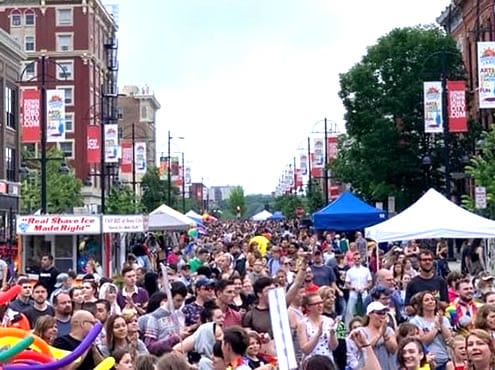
x: 183, y: 184
x: 325, y: 174
x: 43, y: 140
x: 133, y: 138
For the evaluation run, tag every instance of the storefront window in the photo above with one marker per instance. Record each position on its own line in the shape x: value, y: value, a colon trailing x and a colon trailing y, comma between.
x: 87, y: 247
x: 64, y: 252
x: 35, y: 248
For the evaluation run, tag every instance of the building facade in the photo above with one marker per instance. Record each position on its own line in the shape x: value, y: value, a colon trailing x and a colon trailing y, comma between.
x: 470, y: 21
x: 11, y: 57
x: 137, y: 109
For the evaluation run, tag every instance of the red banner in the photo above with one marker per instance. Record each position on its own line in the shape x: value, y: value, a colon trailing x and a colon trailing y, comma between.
x: 93, y: 144
x: 457, y: 106
x: 332, y: 147
x: 126, y: 160
x: 30, y: 125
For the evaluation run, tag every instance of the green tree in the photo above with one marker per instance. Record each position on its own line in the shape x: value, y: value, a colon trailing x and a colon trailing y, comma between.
x: 236, y: 199
x: 482, y: 171
x: 314, y: 198
x: 63, y: 190
x: 381, y: 154
x: 121, y: 200
x: 288, y: 203
x: 154, y: 190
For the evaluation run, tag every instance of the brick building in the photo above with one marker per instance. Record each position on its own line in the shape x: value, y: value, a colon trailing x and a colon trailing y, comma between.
x: 137, y: 107
x: 78, y: 39
x: 470, y: 21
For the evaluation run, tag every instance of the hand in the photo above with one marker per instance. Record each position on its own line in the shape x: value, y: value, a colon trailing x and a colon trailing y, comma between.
x: 359, y: 338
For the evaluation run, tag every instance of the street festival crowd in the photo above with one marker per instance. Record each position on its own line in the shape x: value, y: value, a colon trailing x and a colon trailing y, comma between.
x: 351, y: 304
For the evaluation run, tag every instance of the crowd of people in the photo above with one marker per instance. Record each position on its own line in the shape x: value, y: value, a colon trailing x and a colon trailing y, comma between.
x: 351, y: 305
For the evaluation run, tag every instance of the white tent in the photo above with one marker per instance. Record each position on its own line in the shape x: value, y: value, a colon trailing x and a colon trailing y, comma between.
x: 166, y: 218
x: 193, y: 214
x: 262, y: 216
x: 432, y: 216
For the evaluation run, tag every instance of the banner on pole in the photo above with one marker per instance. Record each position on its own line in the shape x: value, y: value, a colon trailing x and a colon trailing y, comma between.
x: 55, y: 114
x: 319, y: 153
x: 126, y: 157
x: 93, y: 144
x: 486, y: 75
x: 433, y: 107
x: 111, y: 143
x: 30, y: 116
x: 140, y: 160
x: 457, y: 106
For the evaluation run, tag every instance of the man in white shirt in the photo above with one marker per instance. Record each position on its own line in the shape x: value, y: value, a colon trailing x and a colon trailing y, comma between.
x: 358, y: 280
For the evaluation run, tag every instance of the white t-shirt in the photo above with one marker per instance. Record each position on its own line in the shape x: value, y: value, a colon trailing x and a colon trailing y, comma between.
x: 358, y: 278
x: 3, y: 268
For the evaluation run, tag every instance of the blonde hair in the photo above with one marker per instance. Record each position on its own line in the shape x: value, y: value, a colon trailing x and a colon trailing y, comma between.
x: 172, y: 361
x: 486, y: 338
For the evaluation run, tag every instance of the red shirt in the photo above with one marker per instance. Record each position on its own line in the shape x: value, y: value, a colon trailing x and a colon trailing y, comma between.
x: 232, y: 318
x: 311, y: 288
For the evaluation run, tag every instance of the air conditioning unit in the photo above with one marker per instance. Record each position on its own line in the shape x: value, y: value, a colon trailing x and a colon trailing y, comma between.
x: 64, y: 48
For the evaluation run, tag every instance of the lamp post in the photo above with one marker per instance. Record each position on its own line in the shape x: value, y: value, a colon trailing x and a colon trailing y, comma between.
x: 310, y: 186
x: 169, y: 175
x: 183, y: 184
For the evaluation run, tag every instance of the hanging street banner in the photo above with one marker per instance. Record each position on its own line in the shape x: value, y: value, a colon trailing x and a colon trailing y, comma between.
x: 303, y: 164
x: 486, y: 74
x: 55, y: 112
x: 319, y: 153
x: 93, y: 144
x: 111, y: 143
x: 332, y: 142
x: 433, y: 107
x: 126, y: 157
x: 140, y: 159
x: 456, y: 97
x: 163, y: 168
x: 30, y: 116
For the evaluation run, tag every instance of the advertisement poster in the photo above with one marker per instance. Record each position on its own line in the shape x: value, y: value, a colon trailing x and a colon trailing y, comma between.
x: 30, y: 118
x: 486, y: 74
x: 111, y: 143
x: 457, y: 106
x: 55, y: 113
x: 433, y: 107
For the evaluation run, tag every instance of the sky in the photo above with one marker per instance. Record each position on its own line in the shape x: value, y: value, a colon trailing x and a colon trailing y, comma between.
x: 245, y: 82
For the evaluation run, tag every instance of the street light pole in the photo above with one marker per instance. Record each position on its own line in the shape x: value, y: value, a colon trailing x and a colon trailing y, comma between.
x: 325, y: 175
x: 183, y: 184
x: 133, y: 138
x: 310, y: 185
x: 43, y: 137
x: 169, y: 175
x: 295, y: 177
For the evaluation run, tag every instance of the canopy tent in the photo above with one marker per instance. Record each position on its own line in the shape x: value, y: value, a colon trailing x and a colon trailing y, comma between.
x: 261, y: 216
x: 196, y: 217
x: 166, y: 218
x: 432, y: 216
x: 276, y: 216
x: 347, y: 212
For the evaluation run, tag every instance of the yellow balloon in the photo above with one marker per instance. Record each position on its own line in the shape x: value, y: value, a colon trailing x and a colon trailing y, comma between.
x: 106, y: 364
x: 58, y: 353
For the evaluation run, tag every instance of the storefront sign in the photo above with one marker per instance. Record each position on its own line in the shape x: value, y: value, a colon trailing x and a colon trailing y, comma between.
x: 57, y: 225
x: 125, y: 224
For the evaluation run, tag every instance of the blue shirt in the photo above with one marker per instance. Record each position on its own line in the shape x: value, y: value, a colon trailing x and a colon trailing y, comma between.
x: 323, y: 275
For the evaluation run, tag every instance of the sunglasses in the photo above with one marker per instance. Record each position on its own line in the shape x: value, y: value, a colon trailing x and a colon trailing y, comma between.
x: 381, y: 313
x: 315, y: 303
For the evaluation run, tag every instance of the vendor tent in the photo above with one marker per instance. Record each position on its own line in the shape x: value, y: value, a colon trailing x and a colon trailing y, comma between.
x: 166, y: 218
x: 432, y: 216
x: 347, y: 212
x: 261, y: 216
x: 277, y: 215
x: 192, y: 214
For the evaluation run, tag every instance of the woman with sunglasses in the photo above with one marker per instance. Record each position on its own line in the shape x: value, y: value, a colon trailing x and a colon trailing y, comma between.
x: 434, y: 329
x: 316, y: 332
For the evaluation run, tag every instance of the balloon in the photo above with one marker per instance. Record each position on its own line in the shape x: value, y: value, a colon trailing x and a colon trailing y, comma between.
x: 39, y: 358
x: 10, y: 336
x: 106, y: 364
x: 20, y: 346
x: 10, y: 294
x: 71, y: 357
x: 193, y: 233
x: 58, y: 353
x: 262, y: 243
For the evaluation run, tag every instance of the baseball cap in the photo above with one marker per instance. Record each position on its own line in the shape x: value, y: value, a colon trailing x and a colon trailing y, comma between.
x: 205, y: 282
x: 485, y: 275
x: 376, y: 307
x: 61, y: 278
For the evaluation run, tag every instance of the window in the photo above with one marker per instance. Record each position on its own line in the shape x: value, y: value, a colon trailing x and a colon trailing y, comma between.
x: 10, y: 164
x: 15, y: 19
x: 29, y: 43
x: 120, y: 113
x: 28, y: 71
x: 67, y: 147
x: 64, y: 17
x: 69, y: 94
x: 64, y: 42
x: 65, y: 70
x: 29, y: 18
x: 10, y: 107
x: 69, y: 122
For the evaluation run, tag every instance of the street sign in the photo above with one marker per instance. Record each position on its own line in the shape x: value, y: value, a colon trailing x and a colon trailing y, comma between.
x: 480, y: 197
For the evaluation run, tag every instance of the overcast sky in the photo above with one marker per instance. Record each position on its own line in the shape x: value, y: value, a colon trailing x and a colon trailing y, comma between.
x: 245, y: 81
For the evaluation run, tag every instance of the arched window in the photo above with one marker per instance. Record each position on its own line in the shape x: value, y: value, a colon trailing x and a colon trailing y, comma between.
x: 29, y: 17
x: 15, y: 18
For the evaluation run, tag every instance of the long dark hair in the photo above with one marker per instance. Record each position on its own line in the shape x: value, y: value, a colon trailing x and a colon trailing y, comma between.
x: 400, y: 351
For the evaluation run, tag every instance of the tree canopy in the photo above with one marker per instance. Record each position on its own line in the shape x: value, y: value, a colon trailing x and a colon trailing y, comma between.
x: 237, y: 201
x: 381, y: 153
x: 121, y: 200
x: 154, y: 190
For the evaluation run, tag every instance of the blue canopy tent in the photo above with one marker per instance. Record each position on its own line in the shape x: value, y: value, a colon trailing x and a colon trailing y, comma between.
x: 346, y: 213
x: 276, y: 216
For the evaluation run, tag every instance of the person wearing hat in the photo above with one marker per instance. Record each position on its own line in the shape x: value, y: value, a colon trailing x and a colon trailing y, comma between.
x: 204, y: 292
x: 63, y: 284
